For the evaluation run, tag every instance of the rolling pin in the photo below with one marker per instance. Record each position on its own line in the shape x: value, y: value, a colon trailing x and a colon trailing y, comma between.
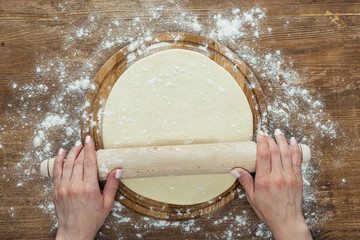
x: 193, y: 159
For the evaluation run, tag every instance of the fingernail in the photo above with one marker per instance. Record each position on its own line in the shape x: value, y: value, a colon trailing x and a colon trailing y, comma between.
x: 293, y: 141
x: 235, y: 173
x: 78, y: 143
x: 278, y: 132
x: 261, y: 133
x: 60, y: 151
x: 87, y: 139
x: 118, y: 173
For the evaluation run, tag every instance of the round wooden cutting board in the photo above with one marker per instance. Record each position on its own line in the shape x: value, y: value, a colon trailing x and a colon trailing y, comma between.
x: 110, y: 72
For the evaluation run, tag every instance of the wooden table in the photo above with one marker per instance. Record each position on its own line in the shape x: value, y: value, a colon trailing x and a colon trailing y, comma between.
x: 322, y: 40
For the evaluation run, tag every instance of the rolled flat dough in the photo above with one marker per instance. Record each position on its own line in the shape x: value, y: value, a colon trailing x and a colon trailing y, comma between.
x: 176, y: 97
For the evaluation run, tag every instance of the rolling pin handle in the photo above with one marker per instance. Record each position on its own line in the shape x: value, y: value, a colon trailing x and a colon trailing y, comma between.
x: 47, y: 167
x: 305, y: 153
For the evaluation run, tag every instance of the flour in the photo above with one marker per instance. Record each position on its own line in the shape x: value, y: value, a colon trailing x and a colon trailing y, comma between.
x: 72, y: 67
x: 52, y: 121
x: 12, y: 212
x: 263, y: 231
x: 79, y: 85
x: 81, y: 32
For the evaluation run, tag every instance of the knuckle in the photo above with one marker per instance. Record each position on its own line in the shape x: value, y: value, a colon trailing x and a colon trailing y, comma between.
x: 67, y: 164
x: 286, y: 154
x: 89, y: 163
x: 275, y: 152
x: 89, y: 188
x: 59, y: 159
x: 279, y: 181
x: 264, y: 182
x: 295, y: 149
x: 267, y: 184
x: 74, y: 149
x: 264, y: 155
x: 74, y: 190
x: 62, y: 193
x: 296, y: 161
x: 78, y: 161
x: 56, y: 174
x: 290, y: 181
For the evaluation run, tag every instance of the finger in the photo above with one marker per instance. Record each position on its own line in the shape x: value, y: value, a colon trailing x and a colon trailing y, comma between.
x: 78, y: 172
x: 70, y: 159
x: 245, y: 180
x: 284, y: 150
x: 110, y: 188
x: 276, y: 165
x: 90, y: 162
x: 58, y: 167
x: 296, y: 156
x: 263, y: 163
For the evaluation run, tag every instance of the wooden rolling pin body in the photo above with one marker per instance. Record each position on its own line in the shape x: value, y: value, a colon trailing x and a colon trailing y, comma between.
x: 193, y: 159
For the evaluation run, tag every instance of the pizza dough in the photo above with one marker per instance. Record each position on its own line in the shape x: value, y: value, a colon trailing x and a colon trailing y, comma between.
x: 176, y: 97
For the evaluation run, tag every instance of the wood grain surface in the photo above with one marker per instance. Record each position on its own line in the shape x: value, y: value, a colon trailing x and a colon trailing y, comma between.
x: 321, y: 40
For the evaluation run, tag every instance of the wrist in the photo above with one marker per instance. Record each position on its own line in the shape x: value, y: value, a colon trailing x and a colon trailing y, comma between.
x: 61, y: 234
x: 69, y: 234
x: 293, y: 230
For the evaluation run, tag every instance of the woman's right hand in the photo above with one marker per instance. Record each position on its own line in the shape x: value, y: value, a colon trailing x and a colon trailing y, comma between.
x: 276, y: 194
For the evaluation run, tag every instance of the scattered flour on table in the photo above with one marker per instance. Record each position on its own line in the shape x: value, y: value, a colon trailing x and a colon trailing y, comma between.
x: 71, y: 69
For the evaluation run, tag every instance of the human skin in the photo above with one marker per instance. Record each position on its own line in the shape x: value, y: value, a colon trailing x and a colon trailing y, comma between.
x: 276, y: 193
x: 80, y: 206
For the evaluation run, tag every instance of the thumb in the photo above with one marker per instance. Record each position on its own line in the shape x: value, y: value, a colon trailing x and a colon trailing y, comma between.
x: 110, y: 188
x: 245, y: 180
